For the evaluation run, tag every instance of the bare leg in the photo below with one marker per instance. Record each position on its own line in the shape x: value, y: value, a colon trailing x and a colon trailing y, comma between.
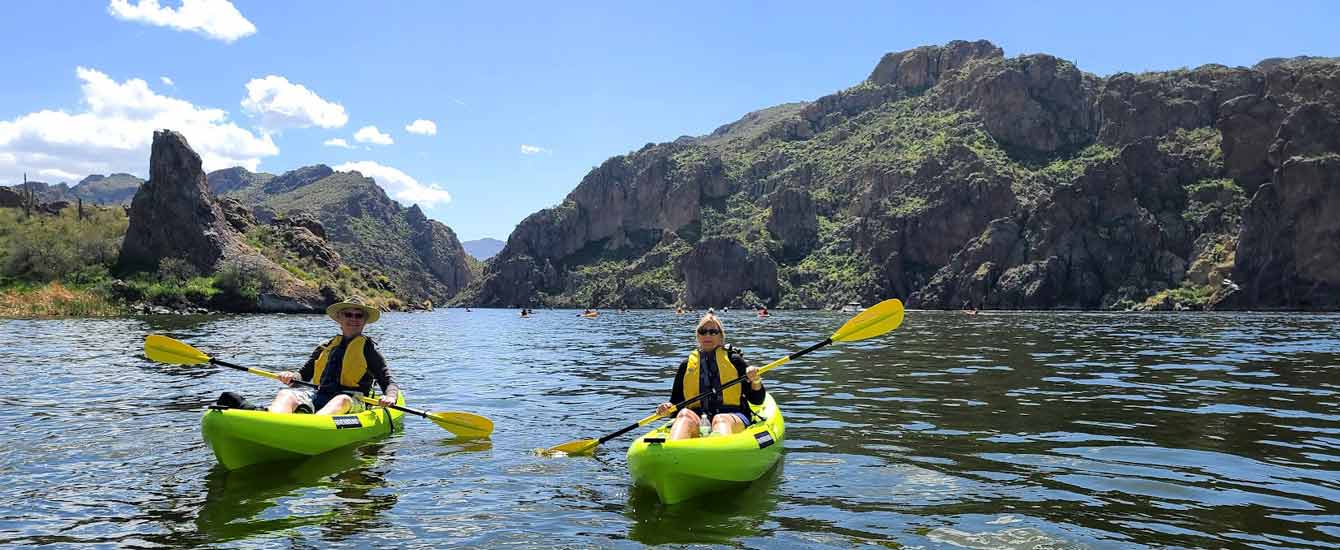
x: 285, y: 402
x: 685, y: 426
x: 337, y: 405
x: 726, y: 424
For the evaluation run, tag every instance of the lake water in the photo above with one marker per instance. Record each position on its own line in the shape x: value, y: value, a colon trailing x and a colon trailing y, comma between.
x: 1000, y: 430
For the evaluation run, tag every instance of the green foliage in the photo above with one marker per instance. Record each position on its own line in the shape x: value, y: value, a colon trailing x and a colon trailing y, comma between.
x: 1202, y: 144
x: 171, y: 292
x: 1215, y: 204
x: 1063, y: 170
x: 42, y: 248
x: 906, y: 208
x: 832, y: 273
x: 176, y: 271
x: 244, y: 281
x: 1182, y: 298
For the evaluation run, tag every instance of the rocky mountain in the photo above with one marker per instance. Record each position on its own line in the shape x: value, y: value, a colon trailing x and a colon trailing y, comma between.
x: 421, y: 258
x: 113, y: 189
x: 483, y: 249
x: 953, y: 177
x: 95, y: 189
x: 236, y: 180
x: 172, y: 216
x: 44, y: 192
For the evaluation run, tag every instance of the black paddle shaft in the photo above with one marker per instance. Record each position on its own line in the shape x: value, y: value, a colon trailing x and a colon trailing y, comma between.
x: 314, y: 386
x: 696, y: 398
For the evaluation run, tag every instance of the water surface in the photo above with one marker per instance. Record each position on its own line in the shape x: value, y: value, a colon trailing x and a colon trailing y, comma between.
x: 1000, y: 430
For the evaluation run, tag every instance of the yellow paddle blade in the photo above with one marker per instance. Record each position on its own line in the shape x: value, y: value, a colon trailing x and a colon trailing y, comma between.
x: 462, y: 424
x: 879, y: 319
x: 166, y: 350
x: 573, y: 448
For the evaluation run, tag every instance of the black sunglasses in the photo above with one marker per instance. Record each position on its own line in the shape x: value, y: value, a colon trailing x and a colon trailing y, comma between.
x: 352, y: 314
x: 706, y: 331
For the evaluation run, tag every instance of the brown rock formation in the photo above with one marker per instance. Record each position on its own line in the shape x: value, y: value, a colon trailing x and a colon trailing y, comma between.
x: 1032, y: 104
x: 173, y: 216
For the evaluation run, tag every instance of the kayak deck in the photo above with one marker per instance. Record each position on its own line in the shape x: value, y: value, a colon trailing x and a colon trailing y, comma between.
x: 241, y: 438
x: 682, y: 469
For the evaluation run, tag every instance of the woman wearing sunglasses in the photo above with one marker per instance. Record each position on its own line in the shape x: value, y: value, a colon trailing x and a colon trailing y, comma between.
x: 347, y: 363
x: 708, y: 367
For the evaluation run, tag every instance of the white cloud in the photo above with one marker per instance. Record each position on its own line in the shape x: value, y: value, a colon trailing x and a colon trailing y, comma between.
x: 337, y: 142
x: 217, y: 19
x: 114, y: 131
x: 532, y: 149
x: 167, y: 81
x: 370, y: 134
x: 282, y: 104
x: 422, y: 127
x: 56, y: 175
x: 398, y: 184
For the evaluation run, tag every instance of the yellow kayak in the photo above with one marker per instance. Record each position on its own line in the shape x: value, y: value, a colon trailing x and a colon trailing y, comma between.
x: 682, y: 469
x: 241, y: 437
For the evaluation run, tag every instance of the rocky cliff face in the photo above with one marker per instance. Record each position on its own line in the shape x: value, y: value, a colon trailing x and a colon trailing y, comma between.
x: 1287, y: 256
x: 954, y: 177
x: 173, y: 216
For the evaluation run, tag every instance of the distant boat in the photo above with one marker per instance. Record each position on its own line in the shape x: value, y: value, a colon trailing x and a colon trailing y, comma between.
x: 852, y: 307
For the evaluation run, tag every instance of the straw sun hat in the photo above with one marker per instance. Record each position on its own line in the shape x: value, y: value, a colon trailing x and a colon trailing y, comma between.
x: 369, y: 313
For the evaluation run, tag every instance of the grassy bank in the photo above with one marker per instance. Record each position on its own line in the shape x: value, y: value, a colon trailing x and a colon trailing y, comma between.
x: 56, y: 300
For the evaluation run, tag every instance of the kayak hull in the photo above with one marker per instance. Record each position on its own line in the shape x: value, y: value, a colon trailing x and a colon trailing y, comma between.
x: 683, y: 469
x: 241, y: 438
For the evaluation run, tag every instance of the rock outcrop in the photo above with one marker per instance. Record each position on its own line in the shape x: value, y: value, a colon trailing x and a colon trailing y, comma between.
x: 1287, y: 255
x: 173, y: 216
x: 719, y: 270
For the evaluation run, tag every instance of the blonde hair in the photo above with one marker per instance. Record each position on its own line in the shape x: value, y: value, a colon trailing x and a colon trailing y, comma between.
x: 711, y: 318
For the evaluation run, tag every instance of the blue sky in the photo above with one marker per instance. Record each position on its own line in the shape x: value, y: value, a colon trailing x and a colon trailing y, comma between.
x: 576, y: 82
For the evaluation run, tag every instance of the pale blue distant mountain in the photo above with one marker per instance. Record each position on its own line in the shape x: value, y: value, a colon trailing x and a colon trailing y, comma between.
x: 483, y: 249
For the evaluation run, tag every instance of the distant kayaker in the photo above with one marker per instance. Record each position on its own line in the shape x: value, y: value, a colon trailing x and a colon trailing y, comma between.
x: 347, y: 363
x: 707, y: 368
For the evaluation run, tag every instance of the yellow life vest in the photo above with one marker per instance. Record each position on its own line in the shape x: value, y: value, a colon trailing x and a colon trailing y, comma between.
x: 352, y: 368
x: 726, y: 372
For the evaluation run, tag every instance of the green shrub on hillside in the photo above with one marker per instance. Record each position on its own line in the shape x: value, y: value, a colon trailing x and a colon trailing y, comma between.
x: 42, y: 248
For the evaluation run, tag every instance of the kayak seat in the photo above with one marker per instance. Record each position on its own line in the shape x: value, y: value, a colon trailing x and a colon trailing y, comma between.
x: 231, y: 400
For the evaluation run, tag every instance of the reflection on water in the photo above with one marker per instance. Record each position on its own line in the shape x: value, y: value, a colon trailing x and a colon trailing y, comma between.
x: 720, y: 518
x: 999, y: 430
x: 336, y: 490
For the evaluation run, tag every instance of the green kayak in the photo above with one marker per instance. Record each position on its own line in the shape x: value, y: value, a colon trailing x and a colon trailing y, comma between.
x: 682, y: 469
x: 242, y: 437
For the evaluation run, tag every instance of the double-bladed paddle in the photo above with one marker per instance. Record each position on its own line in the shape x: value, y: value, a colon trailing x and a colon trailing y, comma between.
x: 879, y: 319
x: 167, y: 350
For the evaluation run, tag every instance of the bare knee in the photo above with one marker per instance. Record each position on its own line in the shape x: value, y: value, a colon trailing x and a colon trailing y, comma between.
x: 283, y: 403
x: 337, y: 405
x: 727, y: 424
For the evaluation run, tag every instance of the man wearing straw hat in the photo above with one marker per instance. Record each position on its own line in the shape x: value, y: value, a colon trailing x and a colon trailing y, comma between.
x: 347, y: 363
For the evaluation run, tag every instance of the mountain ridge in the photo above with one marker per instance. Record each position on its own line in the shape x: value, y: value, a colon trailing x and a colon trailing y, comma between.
x: 956, y: 177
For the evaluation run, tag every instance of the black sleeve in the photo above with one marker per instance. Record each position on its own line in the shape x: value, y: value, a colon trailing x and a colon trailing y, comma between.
x: 754, y: 396
x: 377, y: 366
x: 309, y: 368
x: 677, y: 393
